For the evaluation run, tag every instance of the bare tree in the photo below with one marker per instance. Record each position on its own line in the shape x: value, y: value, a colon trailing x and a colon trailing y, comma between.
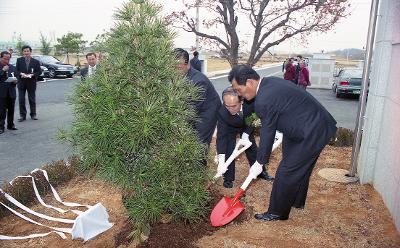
x: 270, y: 22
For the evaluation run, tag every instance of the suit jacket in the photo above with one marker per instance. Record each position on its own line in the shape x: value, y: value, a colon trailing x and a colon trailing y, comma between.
x: 34, y: 67
x: 85, y: 72
x: 304, y: 122
x: 195, y: 63
x: 207, y: 106
x: 7, y: 88
x: 232, y: 124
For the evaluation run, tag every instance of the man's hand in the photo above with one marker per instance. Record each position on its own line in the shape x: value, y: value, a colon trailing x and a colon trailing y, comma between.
x: 221, y: 164
x: 255, y: 170
x: 5, y: 68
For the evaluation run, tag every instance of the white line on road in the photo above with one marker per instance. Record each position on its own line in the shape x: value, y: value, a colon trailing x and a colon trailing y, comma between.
x: 53, y: 79
x: 257, y: 69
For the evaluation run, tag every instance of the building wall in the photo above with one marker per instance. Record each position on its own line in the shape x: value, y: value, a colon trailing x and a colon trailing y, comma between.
x: 321, y: 72
x: 379, y: 162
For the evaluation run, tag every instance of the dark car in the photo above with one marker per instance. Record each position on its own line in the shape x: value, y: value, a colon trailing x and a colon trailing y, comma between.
x: 347, y: 82
x: 55, y: 67
x: 45, y: 72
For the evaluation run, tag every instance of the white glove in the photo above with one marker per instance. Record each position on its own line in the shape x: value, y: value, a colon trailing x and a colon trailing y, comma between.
x: 245, y: 136
x: 221, y: 169
x: 255, y: 170
x: 244, y: 140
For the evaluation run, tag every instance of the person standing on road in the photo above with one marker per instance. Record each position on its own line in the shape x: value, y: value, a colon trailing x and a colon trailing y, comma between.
x: 231, y: 122
x: 89, y: 70
x: 298, y: 58
x: 304, y: 76
x: 207, y: 106
x: 306, y: 126
x: 195, y: 62
x: 28, y: 70
x: 290, y: 71
x: 7, y: 92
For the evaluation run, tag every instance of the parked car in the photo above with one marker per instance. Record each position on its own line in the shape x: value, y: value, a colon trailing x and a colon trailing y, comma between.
x: 347, y: 82
x: 55, y: 67
x: 45, y: 72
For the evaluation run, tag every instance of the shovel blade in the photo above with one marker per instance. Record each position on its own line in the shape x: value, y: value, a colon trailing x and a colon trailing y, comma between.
x: 225, y: 211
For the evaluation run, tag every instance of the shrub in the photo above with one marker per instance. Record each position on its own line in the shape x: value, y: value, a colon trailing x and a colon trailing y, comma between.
x: 132, y: 121
x: 343, y: 137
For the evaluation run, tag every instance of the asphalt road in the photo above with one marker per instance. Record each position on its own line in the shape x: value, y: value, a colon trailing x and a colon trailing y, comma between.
x: 35, y: 143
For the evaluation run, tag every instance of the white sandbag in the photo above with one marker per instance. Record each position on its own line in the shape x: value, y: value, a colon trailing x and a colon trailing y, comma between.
x: 91, y: 223
x: 87, y: 225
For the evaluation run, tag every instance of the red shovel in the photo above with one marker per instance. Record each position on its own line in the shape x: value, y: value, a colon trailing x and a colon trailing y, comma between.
x: 228, y: 209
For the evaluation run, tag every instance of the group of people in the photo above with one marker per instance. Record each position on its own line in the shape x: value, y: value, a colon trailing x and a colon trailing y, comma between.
x: 22, y: 76
x: 298, y: 74
x: 279, y: 103
x: 281, y: 106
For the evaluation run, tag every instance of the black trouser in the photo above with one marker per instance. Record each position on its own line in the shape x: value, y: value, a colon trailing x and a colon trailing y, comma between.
x: 7, y: 105
x: 292, y: 178
x: 251, y: 154
x: 31, y: 88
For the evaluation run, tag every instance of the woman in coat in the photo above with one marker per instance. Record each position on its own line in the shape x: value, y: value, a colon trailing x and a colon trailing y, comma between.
x: 304, y: 76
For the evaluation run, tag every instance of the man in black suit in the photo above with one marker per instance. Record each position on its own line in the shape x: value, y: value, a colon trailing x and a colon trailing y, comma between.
x: 195, y: 62
x: 231, y: 122
x: 208, y: 104
x: 28, y: 70
x: 7, y: 92
x: 91, y: 59
x: 298, y: 69
x: 306, y: 126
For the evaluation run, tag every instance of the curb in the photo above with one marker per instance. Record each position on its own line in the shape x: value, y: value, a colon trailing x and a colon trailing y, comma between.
x: 222, y: 73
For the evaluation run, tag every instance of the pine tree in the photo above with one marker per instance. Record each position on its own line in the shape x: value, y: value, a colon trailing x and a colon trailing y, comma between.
x: 132, y: 121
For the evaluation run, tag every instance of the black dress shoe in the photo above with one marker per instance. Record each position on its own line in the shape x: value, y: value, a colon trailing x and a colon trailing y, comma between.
x: 1, y: 130
x: 12, y: 128
x: 269, y: 217
x: 264, y: 175
x: 22, y: 119
x: 33, y: 117
x: 228, y: 184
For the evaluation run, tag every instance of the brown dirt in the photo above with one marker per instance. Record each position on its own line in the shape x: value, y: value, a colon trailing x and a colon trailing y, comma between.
x: 336, y: 215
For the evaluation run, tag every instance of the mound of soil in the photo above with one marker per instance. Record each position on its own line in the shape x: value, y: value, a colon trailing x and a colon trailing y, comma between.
x: 336, y: 215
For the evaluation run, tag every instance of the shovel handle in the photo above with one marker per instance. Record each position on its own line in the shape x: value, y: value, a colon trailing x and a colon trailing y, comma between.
x: 236, y: 152
x: 246, y: 183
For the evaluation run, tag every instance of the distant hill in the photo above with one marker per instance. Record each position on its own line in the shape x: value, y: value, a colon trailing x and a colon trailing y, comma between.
x: 351, y: 53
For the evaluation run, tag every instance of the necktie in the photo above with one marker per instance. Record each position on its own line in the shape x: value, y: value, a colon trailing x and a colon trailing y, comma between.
x: 27, y: 60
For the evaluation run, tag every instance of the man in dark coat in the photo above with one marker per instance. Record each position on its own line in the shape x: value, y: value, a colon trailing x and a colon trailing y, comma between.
x: 7, y: 92
x: 209, y: 103
x: 91, y: 68
x: 28, y: 70
x: 298, y: 69
x: 195, y: 62
x: 306, y: 126
x: 231, y: 122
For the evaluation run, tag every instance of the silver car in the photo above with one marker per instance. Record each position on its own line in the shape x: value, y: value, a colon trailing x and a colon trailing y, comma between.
x: 347, y: 82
